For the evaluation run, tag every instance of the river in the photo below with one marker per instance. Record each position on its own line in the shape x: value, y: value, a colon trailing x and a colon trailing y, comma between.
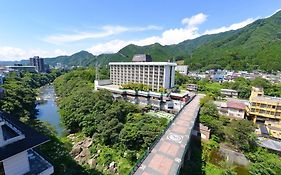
x: 48, y: 111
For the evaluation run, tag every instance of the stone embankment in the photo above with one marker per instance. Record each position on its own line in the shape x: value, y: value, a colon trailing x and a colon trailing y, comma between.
x: 81, y: 153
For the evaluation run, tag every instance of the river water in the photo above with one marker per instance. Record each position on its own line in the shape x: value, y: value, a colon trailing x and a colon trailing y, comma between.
x: 48, y: 111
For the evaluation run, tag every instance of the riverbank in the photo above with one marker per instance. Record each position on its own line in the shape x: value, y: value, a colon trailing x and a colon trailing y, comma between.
x: 48, y: 111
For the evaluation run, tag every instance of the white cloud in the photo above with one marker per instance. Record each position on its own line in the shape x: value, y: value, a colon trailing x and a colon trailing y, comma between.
x: 105, y: 31
x: 12, y: 53
x: 234, y: 26
x: 171, y: 36
x: 190, y: 30
x: 194, y: 20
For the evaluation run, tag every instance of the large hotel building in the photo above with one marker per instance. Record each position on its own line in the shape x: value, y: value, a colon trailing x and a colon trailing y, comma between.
x: 155, y: 74
x: 265, y: 109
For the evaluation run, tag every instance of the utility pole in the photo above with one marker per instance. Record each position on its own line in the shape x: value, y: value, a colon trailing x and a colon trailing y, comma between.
x: 97, y: 71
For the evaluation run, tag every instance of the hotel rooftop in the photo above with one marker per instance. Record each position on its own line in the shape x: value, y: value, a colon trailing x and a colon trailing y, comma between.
x: 17, y: 156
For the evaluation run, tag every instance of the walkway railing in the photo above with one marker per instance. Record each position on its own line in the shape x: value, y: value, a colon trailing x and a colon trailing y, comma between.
x: 147, y: 152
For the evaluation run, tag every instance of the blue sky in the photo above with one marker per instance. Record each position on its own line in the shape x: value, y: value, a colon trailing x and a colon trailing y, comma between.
x: 63, y: 27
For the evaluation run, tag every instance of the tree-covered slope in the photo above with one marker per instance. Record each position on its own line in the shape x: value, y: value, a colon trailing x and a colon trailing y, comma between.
x: 256, y: 46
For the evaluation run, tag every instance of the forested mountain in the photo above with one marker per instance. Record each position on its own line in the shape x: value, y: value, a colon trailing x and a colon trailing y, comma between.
x: 256, y: 46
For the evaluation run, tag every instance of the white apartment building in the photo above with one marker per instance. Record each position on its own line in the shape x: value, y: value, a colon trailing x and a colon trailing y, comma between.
x: 154, y: 74
x: 182, y: 69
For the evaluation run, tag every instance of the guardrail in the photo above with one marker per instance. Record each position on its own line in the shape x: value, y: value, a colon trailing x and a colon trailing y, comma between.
x: 147, y: 152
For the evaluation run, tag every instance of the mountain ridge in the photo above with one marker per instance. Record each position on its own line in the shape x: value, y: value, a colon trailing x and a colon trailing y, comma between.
x: 255, y: 46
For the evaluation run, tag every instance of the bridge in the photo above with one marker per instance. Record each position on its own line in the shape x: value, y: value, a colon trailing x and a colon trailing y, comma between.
x: 167, y: 155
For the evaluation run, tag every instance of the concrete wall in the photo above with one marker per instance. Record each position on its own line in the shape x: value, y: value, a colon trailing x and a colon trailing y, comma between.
x: 17, y: 164
x: 236, y: 113
x: 169, y: 72
x: 101, y: 83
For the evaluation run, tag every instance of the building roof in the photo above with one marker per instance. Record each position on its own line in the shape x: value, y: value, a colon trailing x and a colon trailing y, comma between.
x: 142, y: 58
x: 20, y: 67
x: 270, y: 144
x: 236, y: 105
x: 267, y: 99
x: 228, y: 90
x: 144, y: 63
x: 31, y: 138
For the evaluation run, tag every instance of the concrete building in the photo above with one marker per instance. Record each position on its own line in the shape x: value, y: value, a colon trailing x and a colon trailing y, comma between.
x: 266, y: 110
x: 192, y: 87
x: 155, y: 74
x: 233, y: 109
x: 38, y: 63
x: 142, y: 58
x: 229, y: 93
x: 182, y: 69
x: 17, y: 156
x: 21, y: 68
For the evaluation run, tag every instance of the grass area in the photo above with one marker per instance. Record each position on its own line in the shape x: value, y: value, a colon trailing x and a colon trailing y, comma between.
x: 161, y: 114
x: 211, y: 169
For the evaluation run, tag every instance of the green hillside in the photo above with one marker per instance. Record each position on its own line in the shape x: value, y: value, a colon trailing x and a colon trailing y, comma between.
x: 256, y: 46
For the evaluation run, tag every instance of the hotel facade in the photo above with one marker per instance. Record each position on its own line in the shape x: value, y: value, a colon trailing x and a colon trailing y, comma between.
x: 155, y: 74
x: 265, y: 109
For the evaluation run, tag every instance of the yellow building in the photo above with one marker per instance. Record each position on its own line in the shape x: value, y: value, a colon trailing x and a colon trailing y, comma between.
x: 265, y: 109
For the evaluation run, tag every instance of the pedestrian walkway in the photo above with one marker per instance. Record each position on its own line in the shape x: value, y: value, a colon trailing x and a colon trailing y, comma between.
x: 167, y: 156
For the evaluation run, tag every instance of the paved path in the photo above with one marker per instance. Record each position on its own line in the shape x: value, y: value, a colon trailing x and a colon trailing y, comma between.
x: 166, y: 157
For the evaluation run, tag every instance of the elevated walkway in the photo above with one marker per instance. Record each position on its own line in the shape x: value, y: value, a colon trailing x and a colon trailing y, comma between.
x: 167, y: 155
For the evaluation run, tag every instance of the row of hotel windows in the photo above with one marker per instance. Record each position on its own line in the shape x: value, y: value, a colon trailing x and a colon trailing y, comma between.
x: 114, y: 81
x: 266, y: 112
x: 141, y: 77
x: 132, y: 70
x: 137, y: 72
x: 261, y: 105
x: 154, y: 87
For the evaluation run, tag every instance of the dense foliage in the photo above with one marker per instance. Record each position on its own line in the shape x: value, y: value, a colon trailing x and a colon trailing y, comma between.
x: 137, y: 86
x: 240, y: 135
x: 19, y: 101
x: 140, y: 87
x: 20, y: 92
x: 255, y: 46
x: 57, y: 151
x: 117, y: 126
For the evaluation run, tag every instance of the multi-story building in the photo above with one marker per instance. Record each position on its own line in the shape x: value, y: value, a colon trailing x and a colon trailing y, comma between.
x: 182, y: 69
x: 229, y: 93
x: 17, y: 156
x: 155, y: 74
x: 38, y: 63
x: 266, y: 110
x: 233, y: 109
x: 21, y: 68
